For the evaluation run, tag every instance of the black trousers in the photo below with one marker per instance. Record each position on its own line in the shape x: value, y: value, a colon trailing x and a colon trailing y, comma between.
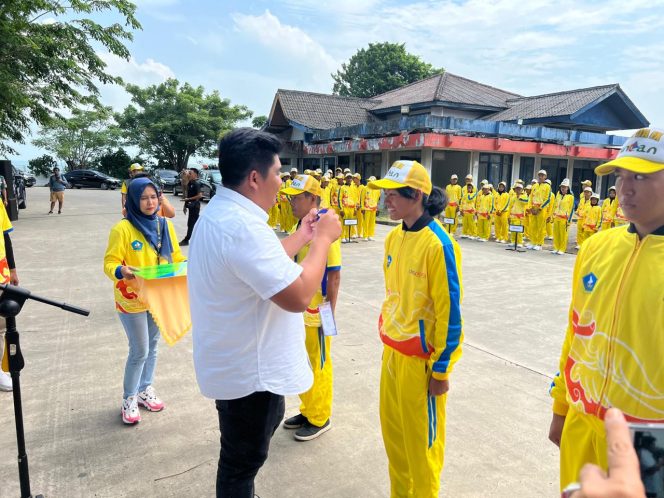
x: 247, y: 425
x: 194, y: 209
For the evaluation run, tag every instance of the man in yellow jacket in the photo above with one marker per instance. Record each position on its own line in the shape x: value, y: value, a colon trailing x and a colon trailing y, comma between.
x: 358, y: 188
x: 468, y: 210
x: 454, y: 193
x: 421, y: 328
x: 581, y: 210
x: 609, y: 208
x: 501, y: 215
x: 611, y: 355
x: 539, y: 202
x: 316, y: 404
x: 485, y: 208
x: 368, y: 208
x: 518, y: 211
x: 562, y: 217
x: 348, y: 203
x: 467, y: 181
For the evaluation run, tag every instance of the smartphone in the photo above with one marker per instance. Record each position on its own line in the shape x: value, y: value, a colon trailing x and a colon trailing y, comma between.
x: 648, y: 442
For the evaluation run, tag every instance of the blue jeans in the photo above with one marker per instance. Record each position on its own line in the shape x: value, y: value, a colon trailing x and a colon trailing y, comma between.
x: 143, y: 335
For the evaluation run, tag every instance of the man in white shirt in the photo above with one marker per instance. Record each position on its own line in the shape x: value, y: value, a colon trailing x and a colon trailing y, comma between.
x: 247, y: 297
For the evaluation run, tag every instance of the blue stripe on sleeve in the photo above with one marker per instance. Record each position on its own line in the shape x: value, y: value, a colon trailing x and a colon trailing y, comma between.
x: 454, y: 288
x: 118, y: 273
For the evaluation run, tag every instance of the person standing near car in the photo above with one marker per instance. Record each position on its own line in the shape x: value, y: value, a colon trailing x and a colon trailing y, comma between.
x: 192, y: 203
x: 57, y: 184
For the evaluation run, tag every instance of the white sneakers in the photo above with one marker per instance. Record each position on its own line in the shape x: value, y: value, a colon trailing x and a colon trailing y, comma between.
x: 536, y: 248
x: 149, y: 400
x: 130, y: 413
x: 5, y: 382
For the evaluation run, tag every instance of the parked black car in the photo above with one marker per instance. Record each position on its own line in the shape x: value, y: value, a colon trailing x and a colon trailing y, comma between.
x: 207, y: 187
x: 213, y: 177
x: 90, y: 178
x: 30, y: 180
x: 166, y: 179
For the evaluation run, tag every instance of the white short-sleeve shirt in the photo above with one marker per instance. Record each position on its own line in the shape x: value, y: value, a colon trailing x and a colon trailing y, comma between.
x: 243, y: 342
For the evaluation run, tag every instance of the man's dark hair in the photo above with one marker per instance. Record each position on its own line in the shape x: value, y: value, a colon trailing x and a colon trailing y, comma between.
x: 243, y: 150
x: 195, y: 170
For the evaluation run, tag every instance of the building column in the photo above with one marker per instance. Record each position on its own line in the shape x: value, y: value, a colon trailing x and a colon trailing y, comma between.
x: 384, y: 162
x: 538, y: 166
x: 516, y: 166
x: 570, y: 168
x: 600, y: 183
x: 427, y: 159
x: 474, y: 166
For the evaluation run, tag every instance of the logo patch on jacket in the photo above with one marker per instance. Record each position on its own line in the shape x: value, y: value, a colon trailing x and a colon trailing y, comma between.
x: 137, y: 245
x: 589, y: 282
x: 389, y: 260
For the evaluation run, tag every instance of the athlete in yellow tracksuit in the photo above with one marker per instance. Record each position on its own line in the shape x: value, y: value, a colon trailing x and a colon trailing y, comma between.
x: 581, y: 209
x: 348, y: 204
x: 421, y: 329
x: 284, y: 205
x: 549, y: 212
x: 454, y: 193
x: 358, y: 190
x: 609, y: 208
x: 562, y: 217
x: 539, y: 201
x: 325, y: 192
x: 335, y: 200
x: 592, y: 219
x: 368, y: 208
x: 316, y: 403
x: 502, y: 205
x: 611, y: 355
x: 528, y: 189
x: 468, y: 210
x: 517, y: 212
x: 620, y: 218
x: 485, y: 209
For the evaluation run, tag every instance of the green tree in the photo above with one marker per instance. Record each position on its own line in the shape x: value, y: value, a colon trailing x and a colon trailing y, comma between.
x: 49, y: 60
x: 172, y: 122
x: 116, y: 163
x: 259, y: 121
x: 42, y: 166
x: 378, y: 69
x: 81, y: 139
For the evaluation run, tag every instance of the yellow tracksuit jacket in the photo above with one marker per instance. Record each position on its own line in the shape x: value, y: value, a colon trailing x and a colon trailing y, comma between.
x: 368, y: 207
x: 620, y: 218
x: 128, y: 247
x: 517, y: 214
x: 468, y: 210
x: 611, y: 355
x: 485, y: 208
x: 502, y: 205
x: 539, y: 199
x: 422, y: 330
x: 581, y: 213
x: 562, y: 216
x: 609, y: 208
x: 592, y: 220
x: 347, y: 201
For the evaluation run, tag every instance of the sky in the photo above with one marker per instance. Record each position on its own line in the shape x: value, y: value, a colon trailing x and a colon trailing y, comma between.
x: 247, y: 49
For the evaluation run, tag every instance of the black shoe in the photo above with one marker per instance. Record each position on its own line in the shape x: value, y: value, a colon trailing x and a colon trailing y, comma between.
x: 295, y: 422
x: 310, y: 431
x: 184, y: 242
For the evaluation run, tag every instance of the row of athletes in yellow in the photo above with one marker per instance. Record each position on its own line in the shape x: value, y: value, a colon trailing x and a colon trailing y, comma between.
x: 543, y: 213
x: 344, y: 193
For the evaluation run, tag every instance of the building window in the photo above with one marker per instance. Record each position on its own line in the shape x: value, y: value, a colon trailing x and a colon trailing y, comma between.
x: 556, y: 170
x: 329, y: 162
x: 495, y: 168
x: 527, y: 169
x: 311, y: 163
x: 368, y: 165
x: 583, y: 170
x: 343, y: 162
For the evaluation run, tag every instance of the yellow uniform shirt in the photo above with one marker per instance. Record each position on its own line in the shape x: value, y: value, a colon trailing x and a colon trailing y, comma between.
x: 311, y: 314
x: 612, y: 353
x: 369, y: 199
x: 540, y: 197
x: 518, y: 206
x: 325, y: 197
x: 609, y: 208
x: 485, y: 205
x: 468, y: 203
x: 564, y: 207
x: 347, y: 196
x: 592, y: 218
x: 581, y: 208
x: 128, y: 247
x: 502, y: 202
x: 421, y: 314
x: 453, y: 194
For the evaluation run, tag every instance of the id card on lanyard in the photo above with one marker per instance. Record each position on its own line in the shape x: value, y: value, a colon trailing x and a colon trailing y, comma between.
x: 327, y: 319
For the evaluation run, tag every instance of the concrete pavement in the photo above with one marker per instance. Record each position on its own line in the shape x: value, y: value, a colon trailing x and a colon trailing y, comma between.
x: 514, y: 309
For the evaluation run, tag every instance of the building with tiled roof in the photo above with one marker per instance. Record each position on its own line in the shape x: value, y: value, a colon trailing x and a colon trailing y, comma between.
x: 455, y: 125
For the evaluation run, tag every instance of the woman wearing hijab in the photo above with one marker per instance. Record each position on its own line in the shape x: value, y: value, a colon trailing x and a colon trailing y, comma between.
x: 141, y: 239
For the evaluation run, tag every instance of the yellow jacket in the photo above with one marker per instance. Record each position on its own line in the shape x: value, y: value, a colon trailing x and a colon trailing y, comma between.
x: 128, y: 247
x: 502, y: 203
x: 592, y: 218
x: 609, y: 208
x: 453, y: 194
x: 518, y: 206
x: 581, y: 208
x: 540, y: 196
x: 421, y: 314
x: 369, y: 199
x: 564, y: 207
x: 611, y: 356
x: 347, y: 196
x: 325, y: 197
x: 468, y: 203
x: 485, y: 205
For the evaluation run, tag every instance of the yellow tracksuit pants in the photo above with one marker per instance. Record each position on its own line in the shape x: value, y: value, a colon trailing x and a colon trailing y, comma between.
x: 349, y: 230
x: 519, y: 236
x: 451, y: 212
x: 607, y: 225
x: 413, y: 426
x: 273, y: 220
x: 526, y: 226
x: 501, y: 227
x: 469, y: 227
x: 549, y: 228
x: 580, y: 233
x: 560, y: 234
x: 537, y: 228
x: 583, y: 441
x: 316, y: 403
x: 369, y: 223
x: 483, y: 227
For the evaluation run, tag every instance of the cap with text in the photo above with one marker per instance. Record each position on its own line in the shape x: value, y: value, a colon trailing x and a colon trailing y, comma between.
x: 135, y: 167
x: 642, y: 153
x: 405, y: 174
x: 303, y: 183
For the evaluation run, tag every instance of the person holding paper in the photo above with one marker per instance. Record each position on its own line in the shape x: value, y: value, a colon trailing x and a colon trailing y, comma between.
x: 141, y: 239
x: 316, y: 403
x: 421, y: 328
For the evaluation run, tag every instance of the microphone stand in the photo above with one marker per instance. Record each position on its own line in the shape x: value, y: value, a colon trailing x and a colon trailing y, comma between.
x: 11, y: 302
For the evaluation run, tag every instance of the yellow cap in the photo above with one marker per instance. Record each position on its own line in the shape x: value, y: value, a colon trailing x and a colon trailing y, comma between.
x: 340, y: 176
x: 642, y: 153
x: 405, y: 174
x: 587, y: 183
x: 358, y: 176
x: 135, y: 167
x: 307, y: 171
x: 303, y: 183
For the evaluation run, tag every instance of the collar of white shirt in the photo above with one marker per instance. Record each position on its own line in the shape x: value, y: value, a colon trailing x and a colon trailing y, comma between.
x: 244, y: 202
